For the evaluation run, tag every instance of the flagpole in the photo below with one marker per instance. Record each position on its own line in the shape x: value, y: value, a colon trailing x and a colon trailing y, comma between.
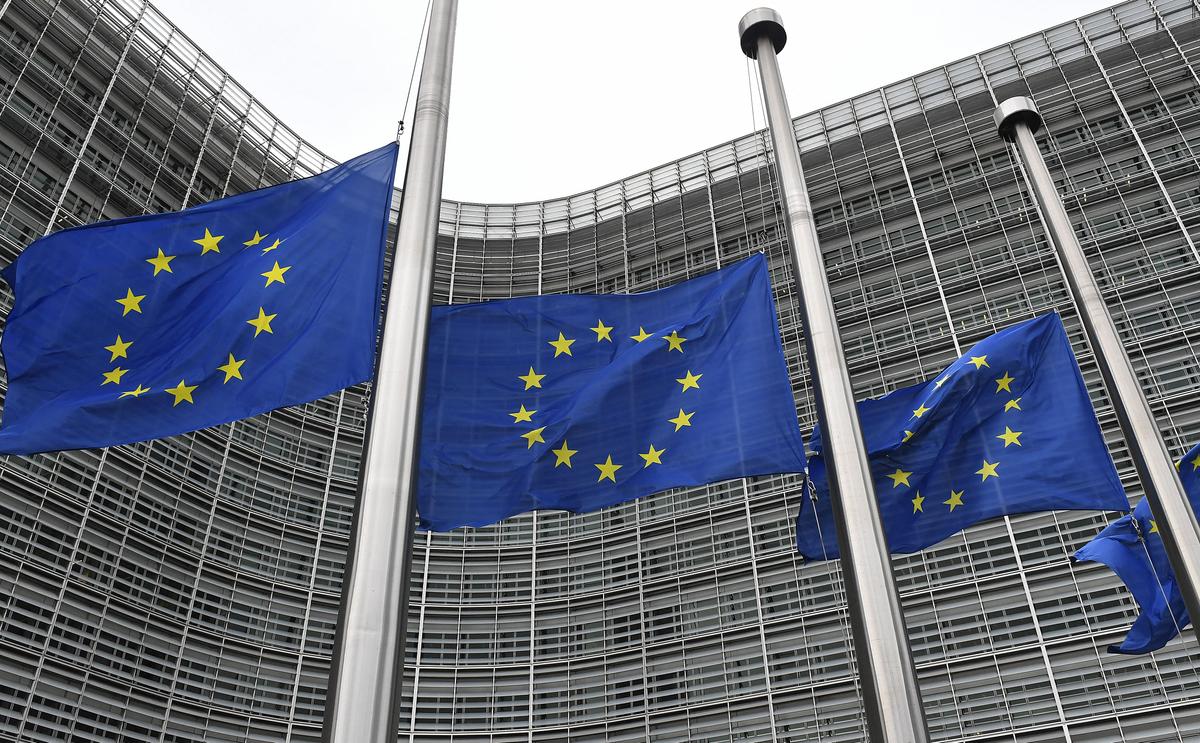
x: 889, y: 683
x: 362, y: 705
x: 1017, y: 119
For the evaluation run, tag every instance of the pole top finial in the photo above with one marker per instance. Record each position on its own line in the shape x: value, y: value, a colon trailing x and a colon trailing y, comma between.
x: 761, y: 22
x: 1012, y: 110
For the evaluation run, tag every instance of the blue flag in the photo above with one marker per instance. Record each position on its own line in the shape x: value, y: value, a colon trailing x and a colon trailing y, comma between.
x: 1008, y: 428
x: 150, y: 326
x: 1133, y: 549
x: 577, y: 402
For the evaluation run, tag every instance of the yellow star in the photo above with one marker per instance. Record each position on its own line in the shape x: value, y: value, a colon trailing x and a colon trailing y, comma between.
x: 523, y: 415
x: 955, y: 500
x: 641, y: 336
x: 938, y: 384
x: 900, y: 477
x: 114, y: 376
x: 131, y: 302
x: 921, y: 411
x: 907, y: 435
x: 209, y: 242
x: 654, y: 456
x: 1178, y: 465
x: 118, y: 349
x: 563, y: 455
x: 979, y: 361
x: 534, y: 437
x: 532, y: 379
x: 674, y: 341
x: 182, y: 392
x: 1195, y: 462
x: 988, y: 470
x: 917, y: 502
x: 690, y: 381
x: 608, y: 470
x: 271, y: 247
x: 161, y: 262
x: 1003, y: 383
x: 1153, y: 526
x: 134, y: 392
x: 681, y: 420
x: 1010, y: 437
x: 254, y: 240
x: 1012, y: 405
x: 276, y: 274
x: 232, y: 369
x: 602, y: 331
x: 262, y: 323
x: 562, y: 345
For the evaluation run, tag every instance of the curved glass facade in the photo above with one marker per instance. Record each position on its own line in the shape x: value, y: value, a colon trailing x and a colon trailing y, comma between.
x: 187, y: 589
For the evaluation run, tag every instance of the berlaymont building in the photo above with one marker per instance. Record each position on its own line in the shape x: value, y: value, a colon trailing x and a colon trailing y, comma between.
x: 187, y: 589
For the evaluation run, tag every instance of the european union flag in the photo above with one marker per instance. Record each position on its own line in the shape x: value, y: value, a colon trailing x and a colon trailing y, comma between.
x: 1008, y: 428
x: 1133, y: 549
x: 151, y: 326
x: 577, y: 402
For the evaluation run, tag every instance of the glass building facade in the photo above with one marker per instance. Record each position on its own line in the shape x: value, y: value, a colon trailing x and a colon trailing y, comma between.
x: 186, y: 590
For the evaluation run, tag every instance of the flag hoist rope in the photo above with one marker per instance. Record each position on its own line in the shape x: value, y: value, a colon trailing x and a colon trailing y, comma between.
x: 412, y: 75
x: 362, y: 704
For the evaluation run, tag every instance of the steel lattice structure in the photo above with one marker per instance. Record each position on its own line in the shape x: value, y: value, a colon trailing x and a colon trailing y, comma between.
x: 187, y: 589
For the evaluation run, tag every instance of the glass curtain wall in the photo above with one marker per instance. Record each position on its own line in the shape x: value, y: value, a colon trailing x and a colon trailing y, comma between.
x: 187, y: 589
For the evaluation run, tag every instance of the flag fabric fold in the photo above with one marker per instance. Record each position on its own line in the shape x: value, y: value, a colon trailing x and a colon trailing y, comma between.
x: 1006, y: 429
x: 1132, y: 548
x: 578, y: 402
x: 151, y: 326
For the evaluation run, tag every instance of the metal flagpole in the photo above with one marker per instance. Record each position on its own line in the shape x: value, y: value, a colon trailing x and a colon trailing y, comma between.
x: 1017, y: 119
x: 892, y: 697
x: 364, y: 692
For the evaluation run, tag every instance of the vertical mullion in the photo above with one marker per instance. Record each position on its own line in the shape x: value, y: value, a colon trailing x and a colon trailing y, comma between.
x: 87, y: 138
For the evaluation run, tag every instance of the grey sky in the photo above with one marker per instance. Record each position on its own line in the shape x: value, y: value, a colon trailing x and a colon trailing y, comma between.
x: 553, y: 98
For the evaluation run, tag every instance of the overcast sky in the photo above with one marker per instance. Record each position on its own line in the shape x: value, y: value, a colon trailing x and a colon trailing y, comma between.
x: 554, y: 98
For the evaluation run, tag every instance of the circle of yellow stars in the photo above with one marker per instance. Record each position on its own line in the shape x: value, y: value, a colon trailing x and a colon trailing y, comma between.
x: 987, y: 469
x: 132, y: 303
x: 607, y: 470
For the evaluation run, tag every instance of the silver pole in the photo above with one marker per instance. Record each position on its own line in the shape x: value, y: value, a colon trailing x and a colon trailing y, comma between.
x: 1017, y: 119
x: 890, y: 691
x: 364, y: 692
